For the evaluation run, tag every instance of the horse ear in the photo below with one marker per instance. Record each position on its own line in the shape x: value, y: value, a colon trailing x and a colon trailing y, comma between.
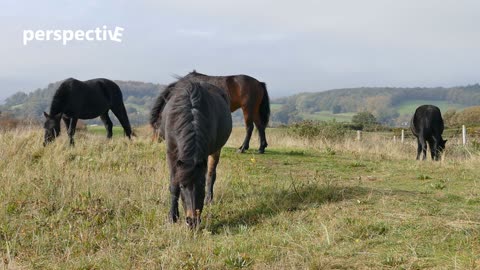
x: 46, y: 115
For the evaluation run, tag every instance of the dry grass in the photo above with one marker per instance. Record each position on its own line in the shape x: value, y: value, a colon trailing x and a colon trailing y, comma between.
x: 304, y: 204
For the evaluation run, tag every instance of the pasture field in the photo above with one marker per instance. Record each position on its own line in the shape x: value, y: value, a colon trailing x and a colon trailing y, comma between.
x: 275, y: 107
x: 303, y: 205
x: 328, y: 116
x: 409, y: 107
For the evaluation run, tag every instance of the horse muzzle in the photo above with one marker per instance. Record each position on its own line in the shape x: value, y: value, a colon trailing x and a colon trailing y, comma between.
x: 192, y: 220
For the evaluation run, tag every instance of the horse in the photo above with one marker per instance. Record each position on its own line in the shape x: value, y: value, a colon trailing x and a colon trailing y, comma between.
x: 76, y: 99
x: 246, y: 93
x: 195, y: 124
x: 427, y: 126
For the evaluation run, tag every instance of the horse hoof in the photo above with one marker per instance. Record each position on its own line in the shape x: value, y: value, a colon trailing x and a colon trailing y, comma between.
x: 261, y: 151
x: 240, y: 151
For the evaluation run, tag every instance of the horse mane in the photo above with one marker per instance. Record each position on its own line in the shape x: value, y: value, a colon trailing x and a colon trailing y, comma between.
x: 195, y: 73
x: 190, y: 124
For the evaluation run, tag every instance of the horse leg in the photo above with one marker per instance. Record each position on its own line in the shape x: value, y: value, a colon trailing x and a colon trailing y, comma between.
x: 432, y: 143
x: 121, y: 114
x: 424, y: 148
x: 71, y: 129
x: 174, y: 195
x: 419, y: 148
x: 174, y: 191
x: 213, y: 160
x: 66, y: 120
x: 261, y: 135
x: 249, y: 129
x: 108, y: 124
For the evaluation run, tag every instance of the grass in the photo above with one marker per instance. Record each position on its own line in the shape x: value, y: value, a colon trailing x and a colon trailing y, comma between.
x: 100, y: 130
x: 328, y: 116
x: 409, y: 107
x: 303, y: 205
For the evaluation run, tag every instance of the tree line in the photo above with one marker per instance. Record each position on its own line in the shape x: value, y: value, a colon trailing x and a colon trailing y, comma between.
x: 380, y: 101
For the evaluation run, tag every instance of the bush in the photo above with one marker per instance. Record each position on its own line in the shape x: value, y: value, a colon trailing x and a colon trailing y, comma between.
x: 364, y: 120
x: 8, y: 122
x: 309, y: 129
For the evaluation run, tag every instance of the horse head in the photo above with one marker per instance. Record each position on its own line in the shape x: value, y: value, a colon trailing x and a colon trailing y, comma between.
x: 51, y: 126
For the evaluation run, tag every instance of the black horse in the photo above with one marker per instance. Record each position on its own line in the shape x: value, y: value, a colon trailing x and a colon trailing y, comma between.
x: 427, y: 126
x: 245, y: 92
x: 75, y: 100
x: 195, y: 124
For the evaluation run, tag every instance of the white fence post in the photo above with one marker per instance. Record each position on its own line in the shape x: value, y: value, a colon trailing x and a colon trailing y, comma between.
x: 394, y: 139
x: 359, y: 135
x: 403, y: 136
x: 464, y: 135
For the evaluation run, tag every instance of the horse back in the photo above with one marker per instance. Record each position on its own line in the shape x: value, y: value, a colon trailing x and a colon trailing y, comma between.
x: 427, y: 122
x: 245, y: 91
x: 87, y: 99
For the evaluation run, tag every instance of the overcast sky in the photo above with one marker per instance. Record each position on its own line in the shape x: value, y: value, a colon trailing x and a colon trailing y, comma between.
x: 293, y: 46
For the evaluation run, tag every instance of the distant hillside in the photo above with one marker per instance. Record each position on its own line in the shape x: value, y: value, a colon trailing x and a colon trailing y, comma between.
x: 393, y: 106
x: 389, y: 105
x: 138, y: 98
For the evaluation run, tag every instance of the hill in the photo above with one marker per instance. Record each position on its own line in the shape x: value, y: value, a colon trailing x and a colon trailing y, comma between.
x: 389, y: 105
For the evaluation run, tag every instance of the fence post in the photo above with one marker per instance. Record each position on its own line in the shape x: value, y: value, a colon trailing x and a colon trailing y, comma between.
x: 403, y: 136
x: 394, y: 139
x: 359, y: 135
x: 464, y: 135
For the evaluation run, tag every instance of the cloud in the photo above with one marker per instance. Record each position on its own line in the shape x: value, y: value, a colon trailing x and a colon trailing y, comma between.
x: 294, y: 46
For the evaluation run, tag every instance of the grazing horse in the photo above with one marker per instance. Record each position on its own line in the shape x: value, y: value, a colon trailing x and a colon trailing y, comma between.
x: 427, y: 126
x: 246, y: 93
x: 195, y: 124
x: 75, y: 100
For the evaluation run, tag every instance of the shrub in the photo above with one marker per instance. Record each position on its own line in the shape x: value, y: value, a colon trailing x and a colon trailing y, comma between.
x: 364, y: 119
x: 309, y: 129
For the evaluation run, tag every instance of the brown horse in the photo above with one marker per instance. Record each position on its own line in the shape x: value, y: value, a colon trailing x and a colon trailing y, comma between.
x: 246, y: 93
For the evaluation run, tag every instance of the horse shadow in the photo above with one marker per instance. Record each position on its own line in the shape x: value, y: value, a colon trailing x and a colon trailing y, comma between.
x: 275, y: 202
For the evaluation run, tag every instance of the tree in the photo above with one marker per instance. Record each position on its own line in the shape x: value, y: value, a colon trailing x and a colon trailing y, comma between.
x: 336, y: 109
x: 364, y: 119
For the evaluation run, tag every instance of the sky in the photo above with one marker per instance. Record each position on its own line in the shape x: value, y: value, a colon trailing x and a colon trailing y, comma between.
x: 293, y: 46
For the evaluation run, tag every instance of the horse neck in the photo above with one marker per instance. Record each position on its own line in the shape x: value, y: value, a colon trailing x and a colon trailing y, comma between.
x: 58, y: 104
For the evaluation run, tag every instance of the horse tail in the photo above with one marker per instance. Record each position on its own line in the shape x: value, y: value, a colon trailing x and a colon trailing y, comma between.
x: 158, y: 106
x: 264, y: 106
x: 156, y: 111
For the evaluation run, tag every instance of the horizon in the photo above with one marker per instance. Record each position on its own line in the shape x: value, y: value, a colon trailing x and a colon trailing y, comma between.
x: 2, y: 100
x: 293, y: 47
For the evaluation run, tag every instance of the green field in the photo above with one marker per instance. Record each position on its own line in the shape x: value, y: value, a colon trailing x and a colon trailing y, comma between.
x: 410, y: 106
x: 275, y: 107
x: 305, y: 204
x: 328, y: 116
